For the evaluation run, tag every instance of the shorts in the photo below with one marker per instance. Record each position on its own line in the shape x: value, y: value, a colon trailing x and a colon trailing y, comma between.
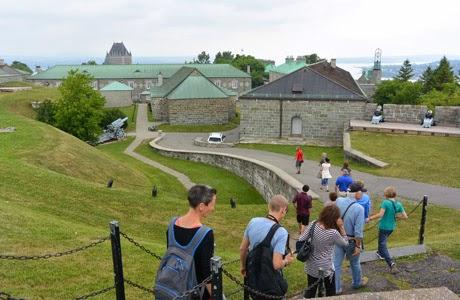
x: 298, y: 163
x: 303, y: 219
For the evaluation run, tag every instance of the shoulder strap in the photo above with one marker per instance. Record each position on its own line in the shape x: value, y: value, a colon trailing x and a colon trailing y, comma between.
x: 171, y: 238
x: 347, y: 209
x: 268, y: 238
x: 197, y: 238
x: 311, y: 232
x: 394, y: 208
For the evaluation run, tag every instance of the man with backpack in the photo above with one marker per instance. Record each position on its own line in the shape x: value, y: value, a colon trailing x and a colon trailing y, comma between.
x: 263, y: 251
x: 186, y: 262
x: 303, y: 203
x: 352, y: 215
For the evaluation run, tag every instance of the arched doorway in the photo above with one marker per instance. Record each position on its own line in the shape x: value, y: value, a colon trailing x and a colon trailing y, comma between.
x: 296, y: 126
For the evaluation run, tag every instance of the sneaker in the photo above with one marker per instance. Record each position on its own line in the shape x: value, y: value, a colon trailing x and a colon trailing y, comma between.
x: 379, y: 256
x: 364, y: 281
x: 393, y: 269
x: 338, y: 293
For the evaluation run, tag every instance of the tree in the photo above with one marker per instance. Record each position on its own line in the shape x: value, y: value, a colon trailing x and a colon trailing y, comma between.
x: 21, y: 66
x: 427, y: 80
x: 398, y: 92
x: 406, y: 72
x: 450, y: 96
x: 257, y: 68
x: 312, y: 58
x: 443, y: 74
x: 202, y: 58
x: 80, y: 108
x: 46, y: 112
x: 111, y: 115
x: 90, y: 62
x: 225, y: 57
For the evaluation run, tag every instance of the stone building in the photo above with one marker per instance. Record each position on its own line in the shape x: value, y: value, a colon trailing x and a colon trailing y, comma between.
x: 290, y: 65
x: 188, y: 97
x: 118, y: 55
x: 310, y: 105
x: 142, y: 77
x: 8, y: 73
x: 117, y: 94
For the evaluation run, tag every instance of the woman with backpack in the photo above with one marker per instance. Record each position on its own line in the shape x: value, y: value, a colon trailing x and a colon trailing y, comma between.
x: 390, y: 211
x: 326, y: 232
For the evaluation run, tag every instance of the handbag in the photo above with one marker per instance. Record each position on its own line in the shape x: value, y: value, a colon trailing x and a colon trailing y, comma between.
x: 307, y: 248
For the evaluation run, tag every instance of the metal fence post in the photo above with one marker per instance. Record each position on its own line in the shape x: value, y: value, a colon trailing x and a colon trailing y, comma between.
x: 245, y: 291
x: 421, y: 236
x: 216, y: 278
x: 117, y: 261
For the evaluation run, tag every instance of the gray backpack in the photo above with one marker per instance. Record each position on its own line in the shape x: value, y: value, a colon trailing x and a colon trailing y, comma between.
x: 176, y: 273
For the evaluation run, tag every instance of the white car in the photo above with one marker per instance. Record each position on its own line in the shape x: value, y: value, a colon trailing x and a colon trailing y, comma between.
x: 216, y: 138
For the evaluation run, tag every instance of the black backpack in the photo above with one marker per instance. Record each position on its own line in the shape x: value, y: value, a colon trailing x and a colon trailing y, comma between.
x: 260, y: 273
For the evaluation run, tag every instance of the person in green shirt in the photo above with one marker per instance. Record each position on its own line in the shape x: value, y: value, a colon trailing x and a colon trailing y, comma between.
x: 390, y: 211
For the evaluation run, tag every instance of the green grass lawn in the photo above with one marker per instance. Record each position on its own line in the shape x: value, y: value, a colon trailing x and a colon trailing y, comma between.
x: 430, y: 159
x: 54, y: 197
x: 130, y: 112
x: 149, y: 113
x: 235, y: 122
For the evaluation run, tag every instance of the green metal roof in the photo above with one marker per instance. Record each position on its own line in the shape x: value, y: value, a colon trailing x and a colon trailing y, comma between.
x: 171, y: 83
x: 288, y: 67
x: 269, y: 67
x: 196, y: 86
x: 117, y: 86
x: 146, y: 71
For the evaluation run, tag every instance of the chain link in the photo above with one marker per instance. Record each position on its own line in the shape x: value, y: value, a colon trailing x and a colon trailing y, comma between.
x: 58, y: 254
x: 194, y: 290
x: 230, y: 262
x: 234, y: 292
x: 95, y: 293
x: 131, y: 240
x: 6, y: 296
x: 138, y: 286
x: 258, y: 293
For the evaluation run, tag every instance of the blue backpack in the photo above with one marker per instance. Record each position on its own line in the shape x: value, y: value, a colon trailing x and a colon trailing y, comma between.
x: 176, y: 273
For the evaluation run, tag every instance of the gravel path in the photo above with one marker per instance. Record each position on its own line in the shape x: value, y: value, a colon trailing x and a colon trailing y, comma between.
x: 375, y: 184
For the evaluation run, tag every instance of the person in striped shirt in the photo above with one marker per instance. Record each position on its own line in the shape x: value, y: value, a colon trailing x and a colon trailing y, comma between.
x: 328, y: 231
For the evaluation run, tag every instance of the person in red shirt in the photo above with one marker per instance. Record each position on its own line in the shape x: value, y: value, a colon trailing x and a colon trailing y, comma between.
x: 303, y: 203
x: 298, y: 159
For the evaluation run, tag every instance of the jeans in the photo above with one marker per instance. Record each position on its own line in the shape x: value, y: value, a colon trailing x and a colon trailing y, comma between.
x: 324, y: 181
x: 355, y: 265
x: 383, y: 250
x: 329, y: 284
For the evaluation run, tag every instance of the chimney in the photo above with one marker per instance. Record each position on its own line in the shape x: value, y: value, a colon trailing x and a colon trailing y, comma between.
x: 300, y: 59
x: 248, y: 69
x: 289, y: 59
x: 160, y: 79
x: 2, y: 62
x: 38, y: 69
x: 333, y: 63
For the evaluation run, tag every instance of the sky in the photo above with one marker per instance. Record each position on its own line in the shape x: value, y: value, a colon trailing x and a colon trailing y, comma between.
x: 270, y: 29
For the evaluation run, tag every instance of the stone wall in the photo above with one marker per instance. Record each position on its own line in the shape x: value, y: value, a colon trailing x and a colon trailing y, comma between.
x: 447, y: 115
x: 369, y: 110
x: 267, y: 180
x: 239, y: 85
x: 404, y: 113
x: 159, y: 109
x: 322, y: 121
x: 117, y: 98
x: 199, y: 111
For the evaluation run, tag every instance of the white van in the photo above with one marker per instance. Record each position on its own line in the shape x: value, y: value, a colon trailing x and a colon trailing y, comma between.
x: 216, y: 138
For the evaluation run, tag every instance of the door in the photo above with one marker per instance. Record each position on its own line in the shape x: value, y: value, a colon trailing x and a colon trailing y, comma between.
x: 296, y: 126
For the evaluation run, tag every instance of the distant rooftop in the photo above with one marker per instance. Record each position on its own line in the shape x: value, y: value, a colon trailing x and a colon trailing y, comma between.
x: 117, y: 86
x: 119, y: 49
x: 137, y: 71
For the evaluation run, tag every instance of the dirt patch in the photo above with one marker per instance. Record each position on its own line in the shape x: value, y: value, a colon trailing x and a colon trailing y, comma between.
x: 427, y: 271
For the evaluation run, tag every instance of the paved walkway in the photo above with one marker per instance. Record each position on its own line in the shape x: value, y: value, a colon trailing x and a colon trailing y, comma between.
x: 404, y: 128
x: 142, y: 133
x: 375, y: 184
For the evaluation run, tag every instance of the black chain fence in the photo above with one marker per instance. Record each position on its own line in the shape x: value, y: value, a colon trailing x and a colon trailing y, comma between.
x: 137, y: 244
x: 6, y: 296
x: 58, y: 254
x: 96, y: 293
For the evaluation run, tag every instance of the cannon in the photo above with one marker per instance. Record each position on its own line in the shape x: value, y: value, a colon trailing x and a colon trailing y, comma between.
x: 114, y: 131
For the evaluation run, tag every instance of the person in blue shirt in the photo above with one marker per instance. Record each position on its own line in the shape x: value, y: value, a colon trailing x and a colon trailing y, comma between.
x: 353, y: 219
x: 342, y: 182
x: 365, y: 201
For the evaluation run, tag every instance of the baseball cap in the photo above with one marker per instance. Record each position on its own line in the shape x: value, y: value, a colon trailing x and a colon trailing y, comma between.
x: 355, y: 187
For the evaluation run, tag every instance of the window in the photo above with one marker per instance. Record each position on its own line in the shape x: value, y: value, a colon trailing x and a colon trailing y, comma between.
x: 234, y: 84
x: 131, y: 84
x: 218, y: 83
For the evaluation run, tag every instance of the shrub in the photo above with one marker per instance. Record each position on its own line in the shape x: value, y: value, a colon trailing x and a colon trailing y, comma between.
x: 111, y: 115
x: 46, y: 112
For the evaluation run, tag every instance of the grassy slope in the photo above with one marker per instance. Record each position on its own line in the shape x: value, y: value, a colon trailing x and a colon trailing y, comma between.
x: 430, y: 159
